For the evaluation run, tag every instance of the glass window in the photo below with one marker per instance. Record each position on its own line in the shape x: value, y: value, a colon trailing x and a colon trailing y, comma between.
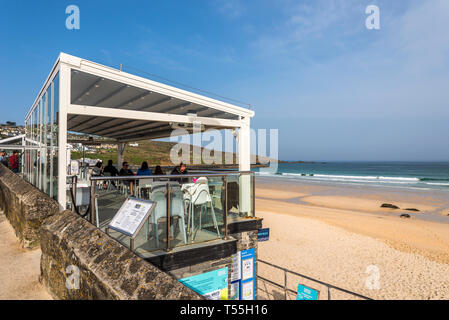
x: 54, y: 130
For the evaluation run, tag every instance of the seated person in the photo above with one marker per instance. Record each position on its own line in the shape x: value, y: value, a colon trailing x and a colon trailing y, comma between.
x: 144, y: 170
x: 97, y: 169
x: 111, y: 169
x: 182, y: 169
x: 158, y: 171
x: 125, y: 171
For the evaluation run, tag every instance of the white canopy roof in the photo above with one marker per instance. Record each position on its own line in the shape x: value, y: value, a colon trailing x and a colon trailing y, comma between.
x: 122, y: 106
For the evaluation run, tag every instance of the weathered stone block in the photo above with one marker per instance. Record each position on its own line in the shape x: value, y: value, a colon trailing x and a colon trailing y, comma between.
x: 107, y: 269
x: 25, y: 206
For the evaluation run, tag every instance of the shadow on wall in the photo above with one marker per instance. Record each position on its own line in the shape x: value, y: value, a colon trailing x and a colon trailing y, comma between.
x: 24, y: 206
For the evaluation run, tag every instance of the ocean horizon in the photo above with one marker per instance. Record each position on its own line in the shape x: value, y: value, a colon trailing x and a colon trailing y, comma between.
x: 403, y: 174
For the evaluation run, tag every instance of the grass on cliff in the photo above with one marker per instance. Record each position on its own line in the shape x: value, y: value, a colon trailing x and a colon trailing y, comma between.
x: 154, y: 152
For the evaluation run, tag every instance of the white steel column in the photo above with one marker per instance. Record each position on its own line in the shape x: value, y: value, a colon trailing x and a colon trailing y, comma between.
x: 244, y: 158
x: 120, y: 154
x: 64, y: 101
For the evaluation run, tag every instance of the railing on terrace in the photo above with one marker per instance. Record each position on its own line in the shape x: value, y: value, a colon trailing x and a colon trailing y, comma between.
x: 190, y: 208
x: 313, y: 283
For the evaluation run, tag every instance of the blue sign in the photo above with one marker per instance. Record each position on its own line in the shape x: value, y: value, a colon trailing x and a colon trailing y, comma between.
x: 306, y: 293
x: 247, y: 283
x: 263, y: 234
x: 212, y: 285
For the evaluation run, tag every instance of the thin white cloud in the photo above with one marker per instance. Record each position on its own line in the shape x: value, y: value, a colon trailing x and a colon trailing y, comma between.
x: 230, y: 8
x: 332, y: 65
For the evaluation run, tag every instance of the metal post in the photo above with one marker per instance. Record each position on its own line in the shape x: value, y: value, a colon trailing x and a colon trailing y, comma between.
x: 168, y: 217
x: 285, y: 284
x: 328, y: 293
x: 254, y: 194
x: 225, y: 217
x: 92, y: 202
x: 74, y: 184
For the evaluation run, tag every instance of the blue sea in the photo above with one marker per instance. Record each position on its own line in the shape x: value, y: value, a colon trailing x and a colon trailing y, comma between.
x: 424, y: 175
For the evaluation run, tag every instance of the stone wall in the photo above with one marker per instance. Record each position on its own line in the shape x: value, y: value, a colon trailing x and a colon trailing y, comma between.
x: 25, y: 207
x: 107, y: 269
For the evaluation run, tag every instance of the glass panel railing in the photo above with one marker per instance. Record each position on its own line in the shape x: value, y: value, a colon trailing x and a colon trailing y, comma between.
x: 110, y: 196
x: 204, y: 208
x: 196, y: 204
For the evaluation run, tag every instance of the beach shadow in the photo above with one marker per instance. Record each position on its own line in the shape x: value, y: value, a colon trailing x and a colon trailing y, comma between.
x: 269, y: 293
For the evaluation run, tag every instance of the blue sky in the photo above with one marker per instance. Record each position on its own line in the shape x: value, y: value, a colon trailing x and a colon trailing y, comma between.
x: 334, y: 89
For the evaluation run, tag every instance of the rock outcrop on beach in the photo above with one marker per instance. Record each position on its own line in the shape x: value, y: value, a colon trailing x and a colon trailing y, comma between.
x: 389, y: 205
x: 412, y: 209
x: 405, y: 215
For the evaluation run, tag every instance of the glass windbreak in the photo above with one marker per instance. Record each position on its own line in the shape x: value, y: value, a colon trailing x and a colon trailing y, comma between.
x: 40, y: 156
x: 197, y: 207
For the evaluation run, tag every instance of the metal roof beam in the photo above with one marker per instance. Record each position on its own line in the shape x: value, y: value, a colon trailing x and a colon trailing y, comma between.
x: 139, y: 131
x: 140, y: 96
x: 150, y: 116
x: 101, y: 131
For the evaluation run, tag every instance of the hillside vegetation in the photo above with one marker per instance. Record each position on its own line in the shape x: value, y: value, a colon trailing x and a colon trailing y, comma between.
x: 154, y: 152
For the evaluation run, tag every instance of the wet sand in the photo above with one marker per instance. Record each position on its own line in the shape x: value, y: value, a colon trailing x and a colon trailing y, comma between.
x: 333, y: 233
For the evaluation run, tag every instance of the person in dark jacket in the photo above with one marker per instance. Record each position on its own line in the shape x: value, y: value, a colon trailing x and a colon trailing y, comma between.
x: 158, y: 171
x: 125, y: 171
x: 111, y: 169
x: 182, y: 169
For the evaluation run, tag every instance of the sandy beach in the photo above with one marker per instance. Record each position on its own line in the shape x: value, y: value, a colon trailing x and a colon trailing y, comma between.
x: 19, y: 268
x: 340, y: 234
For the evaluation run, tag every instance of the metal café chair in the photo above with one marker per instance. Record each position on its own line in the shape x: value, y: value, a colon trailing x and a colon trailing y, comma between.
x: 200, y: 196
x: 159, y: 195
x: 143, y: 184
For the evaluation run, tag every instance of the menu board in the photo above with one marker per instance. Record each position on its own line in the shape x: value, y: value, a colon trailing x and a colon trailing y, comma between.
x: 248, y: 290
x: 131, y: 216
x: 247, y: 283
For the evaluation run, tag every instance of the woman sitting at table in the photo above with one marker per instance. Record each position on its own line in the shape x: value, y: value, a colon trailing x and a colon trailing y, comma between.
x: 97, y: 170
x: 158, y: 171
x: 144, y: 170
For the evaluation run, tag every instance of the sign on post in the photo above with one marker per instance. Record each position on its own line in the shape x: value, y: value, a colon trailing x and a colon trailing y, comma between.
x: 212, y: 285
x: 306, y: 293
x: 247, y: 258
x: 131, y: 216
x: 263, y: 234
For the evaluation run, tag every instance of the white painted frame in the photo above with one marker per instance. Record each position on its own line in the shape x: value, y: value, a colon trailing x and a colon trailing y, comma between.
x: 66, y: 63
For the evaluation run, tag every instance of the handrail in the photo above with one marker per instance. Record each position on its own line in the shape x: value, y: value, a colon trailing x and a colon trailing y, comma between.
x: 329, y: 286
x: 168, y: 180
x: 168, y: 176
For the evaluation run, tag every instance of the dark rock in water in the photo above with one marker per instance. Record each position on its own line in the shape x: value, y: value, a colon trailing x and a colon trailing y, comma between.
x: 405, y: 215
x: 389, y: 205
x: 412, y: 209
